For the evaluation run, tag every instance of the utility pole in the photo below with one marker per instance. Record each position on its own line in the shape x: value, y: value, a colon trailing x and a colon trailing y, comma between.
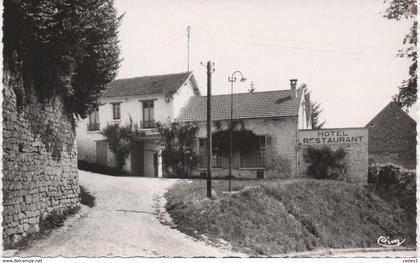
x: 188, y: 47
x: 210, y: 70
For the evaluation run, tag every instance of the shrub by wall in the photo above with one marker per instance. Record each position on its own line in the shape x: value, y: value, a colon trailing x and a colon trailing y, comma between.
x: 390, y: 174
x: 394, y: 184
x: 177, y: 141
x: 95, y: 168
x: 325, y: 163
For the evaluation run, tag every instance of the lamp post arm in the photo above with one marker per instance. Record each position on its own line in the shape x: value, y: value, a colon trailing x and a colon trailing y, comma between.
x: 233, y: 78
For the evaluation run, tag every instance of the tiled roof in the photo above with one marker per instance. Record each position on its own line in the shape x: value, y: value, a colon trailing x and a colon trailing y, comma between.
x: 266, y: 104
x: 158, y: 84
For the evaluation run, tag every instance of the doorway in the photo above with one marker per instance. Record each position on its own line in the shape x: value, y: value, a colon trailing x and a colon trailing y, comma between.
x: 102, y: 153
x: 137, y: 159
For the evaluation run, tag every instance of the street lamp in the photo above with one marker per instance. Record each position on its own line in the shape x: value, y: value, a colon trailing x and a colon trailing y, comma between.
x: 232, y: 79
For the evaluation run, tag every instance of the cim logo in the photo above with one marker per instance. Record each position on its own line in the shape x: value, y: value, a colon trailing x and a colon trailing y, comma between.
x: 387, y: 242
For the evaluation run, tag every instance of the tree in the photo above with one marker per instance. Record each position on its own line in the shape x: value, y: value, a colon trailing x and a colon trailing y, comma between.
x: 178, y: 140
x: 61, y: 47
x: 315, y: 109
x: 406, y: 9
x: 316, y: 112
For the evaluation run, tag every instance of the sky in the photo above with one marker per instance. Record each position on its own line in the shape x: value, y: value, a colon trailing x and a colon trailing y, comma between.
x: 345, y: 51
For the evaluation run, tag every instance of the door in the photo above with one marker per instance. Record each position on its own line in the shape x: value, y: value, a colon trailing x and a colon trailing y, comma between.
x: 102, y: 153
x: 149, y: 163
x: 156, y: 163
x: 137, y: 159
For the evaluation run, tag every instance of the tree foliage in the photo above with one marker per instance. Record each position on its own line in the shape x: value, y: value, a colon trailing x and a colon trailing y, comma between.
x: 316, y: 112
x: 61, y: 47
x: 242, y: 139
x: 407, y: 9
x: 178, y: 140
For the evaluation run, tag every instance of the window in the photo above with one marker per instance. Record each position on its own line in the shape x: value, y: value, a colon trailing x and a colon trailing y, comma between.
x: 260, y: 174
x: 255, y: 157
x: 216, y: 160
x: 93, y: 124
x: 148, y: 114
x: 116, y: 111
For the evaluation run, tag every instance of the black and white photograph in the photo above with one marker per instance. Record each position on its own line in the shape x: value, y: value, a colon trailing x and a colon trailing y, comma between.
x: 272, y: 129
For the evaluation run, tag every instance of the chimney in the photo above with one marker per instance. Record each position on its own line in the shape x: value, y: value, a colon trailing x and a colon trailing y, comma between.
x: 293, y: 87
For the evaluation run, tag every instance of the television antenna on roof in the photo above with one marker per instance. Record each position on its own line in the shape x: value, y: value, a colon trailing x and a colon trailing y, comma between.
x: 188, y: 47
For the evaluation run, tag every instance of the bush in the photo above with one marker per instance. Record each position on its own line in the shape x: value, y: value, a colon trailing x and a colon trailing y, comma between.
x: 53, y: 220
x: 389, y: 174
x: 86, y: 198
x: 178, y: 155
x: 120, y: 140
x: 325, y: 163
x: 394, y: 184
x: 93, y: 167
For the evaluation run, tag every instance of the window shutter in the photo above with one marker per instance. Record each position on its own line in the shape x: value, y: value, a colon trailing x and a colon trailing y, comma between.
x: 268, y: 152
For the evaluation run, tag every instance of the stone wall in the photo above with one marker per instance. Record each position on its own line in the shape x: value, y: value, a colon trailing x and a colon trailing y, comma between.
x: 39, y: 165
x: 354, y: 141
x: 283, y: 134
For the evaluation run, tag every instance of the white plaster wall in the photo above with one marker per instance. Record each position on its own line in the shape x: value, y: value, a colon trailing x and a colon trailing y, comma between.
x: 133, y: 107
x: 129, y: 107
x: 181, y: 97
x: 86, y: 141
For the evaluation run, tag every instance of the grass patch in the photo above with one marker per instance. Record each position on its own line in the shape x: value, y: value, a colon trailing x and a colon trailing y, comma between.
x: 271, y: 216
x: 86, y: 198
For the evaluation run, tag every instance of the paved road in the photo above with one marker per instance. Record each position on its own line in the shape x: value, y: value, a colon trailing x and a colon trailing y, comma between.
x: 124, y: 223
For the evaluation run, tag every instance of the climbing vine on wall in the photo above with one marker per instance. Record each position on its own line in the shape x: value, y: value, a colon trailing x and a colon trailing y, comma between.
x: 178, y: 139
x: 242, y: 139
x: 120, y: 140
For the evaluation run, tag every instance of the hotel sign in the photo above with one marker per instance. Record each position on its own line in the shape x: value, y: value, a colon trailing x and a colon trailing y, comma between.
x: 333, y: 136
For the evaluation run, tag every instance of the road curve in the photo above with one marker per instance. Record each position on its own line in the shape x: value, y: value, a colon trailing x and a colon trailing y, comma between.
x: 124, y: 223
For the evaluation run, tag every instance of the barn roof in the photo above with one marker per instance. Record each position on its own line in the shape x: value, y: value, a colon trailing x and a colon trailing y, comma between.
x: 386, y: 113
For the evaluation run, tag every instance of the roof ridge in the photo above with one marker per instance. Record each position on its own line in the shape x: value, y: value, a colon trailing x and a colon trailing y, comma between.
x: 240, y: 93
x: 161, y: 75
